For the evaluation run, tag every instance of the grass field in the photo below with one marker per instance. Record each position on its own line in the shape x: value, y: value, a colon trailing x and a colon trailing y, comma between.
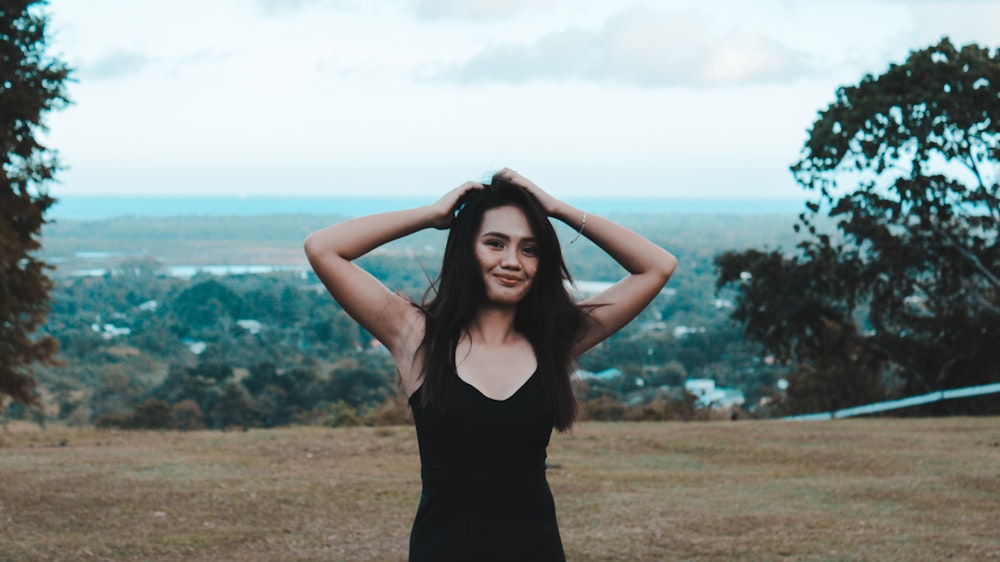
x: 880, y: 489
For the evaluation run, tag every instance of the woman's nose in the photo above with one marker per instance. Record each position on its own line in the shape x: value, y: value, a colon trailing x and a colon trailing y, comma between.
x: 510, y: 259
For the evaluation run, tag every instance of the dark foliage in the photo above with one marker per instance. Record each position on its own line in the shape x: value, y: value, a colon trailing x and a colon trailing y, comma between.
x: 905, y: 297
x: 31, y: 84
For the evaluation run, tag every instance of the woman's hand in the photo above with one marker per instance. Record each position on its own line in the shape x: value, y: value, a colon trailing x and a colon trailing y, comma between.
x: 445, y: 208
x: 551, y: 205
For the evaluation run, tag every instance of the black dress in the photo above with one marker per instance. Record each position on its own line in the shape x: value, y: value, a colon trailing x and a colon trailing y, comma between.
x: 485, y: 496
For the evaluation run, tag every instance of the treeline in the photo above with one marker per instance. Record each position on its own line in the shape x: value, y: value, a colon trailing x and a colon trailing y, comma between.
x: 216, y: 396
x: 142, y: 348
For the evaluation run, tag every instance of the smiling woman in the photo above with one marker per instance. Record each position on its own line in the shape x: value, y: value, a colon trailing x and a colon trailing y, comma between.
x: 486, y: 359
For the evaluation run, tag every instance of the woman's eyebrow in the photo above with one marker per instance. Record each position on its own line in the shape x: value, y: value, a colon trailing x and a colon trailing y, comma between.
x: 503, y: 236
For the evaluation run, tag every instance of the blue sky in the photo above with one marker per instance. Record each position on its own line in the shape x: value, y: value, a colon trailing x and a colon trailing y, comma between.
x: 387, y: 97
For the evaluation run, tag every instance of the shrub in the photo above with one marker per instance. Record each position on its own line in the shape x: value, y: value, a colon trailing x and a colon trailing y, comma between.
x: 187, y: 415
x: 604, y: 408
x: 151, y: 414
x: 342, y: 415
x: 394, y: 411
x: 120, y: 420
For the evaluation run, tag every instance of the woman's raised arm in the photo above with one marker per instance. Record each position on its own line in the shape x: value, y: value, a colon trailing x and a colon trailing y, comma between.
x: 649, y: 266
x: 331, y: 251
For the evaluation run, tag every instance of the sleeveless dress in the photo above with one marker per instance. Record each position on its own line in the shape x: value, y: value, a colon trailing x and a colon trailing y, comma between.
x: 484, y: 494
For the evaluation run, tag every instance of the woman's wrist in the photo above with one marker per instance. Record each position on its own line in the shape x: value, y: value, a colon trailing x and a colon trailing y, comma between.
x: 583, y: 226
x: 435, y: 216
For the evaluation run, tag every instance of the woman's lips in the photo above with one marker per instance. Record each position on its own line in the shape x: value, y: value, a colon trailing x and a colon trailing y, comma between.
x: 507, y: 280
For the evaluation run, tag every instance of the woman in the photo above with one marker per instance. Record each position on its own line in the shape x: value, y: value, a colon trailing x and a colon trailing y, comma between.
x: 486, y: 362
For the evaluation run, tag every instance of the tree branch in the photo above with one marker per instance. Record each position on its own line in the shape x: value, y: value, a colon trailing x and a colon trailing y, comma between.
x: 972, y: 258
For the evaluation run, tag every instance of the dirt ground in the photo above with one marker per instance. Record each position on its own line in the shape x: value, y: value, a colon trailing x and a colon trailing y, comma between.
x: 878, y: 489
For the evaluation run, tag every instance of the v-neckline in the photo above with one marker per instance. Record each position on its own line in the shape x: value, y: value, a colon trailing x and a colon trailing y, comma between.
x: 490, y: 398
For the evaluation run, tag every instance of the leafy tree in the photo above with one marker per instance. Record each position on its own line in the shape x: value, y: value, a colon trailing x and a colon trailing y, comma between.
x: 207, y: 303
x: 672, y: 373
x: 235, y: 407
x: 202, y: 384
x: 260, y: 376
x: 905, y: 298
x: 281, y: 397
x: 118, y: 393
x: 31, y: 84
x: 218, y: 372
x: 274, y: 406
x: 359, y: 387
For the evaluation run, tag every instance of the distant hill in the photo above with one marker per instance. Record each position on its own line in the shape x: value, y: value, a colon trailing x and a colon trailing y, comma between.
x: 277, y: 239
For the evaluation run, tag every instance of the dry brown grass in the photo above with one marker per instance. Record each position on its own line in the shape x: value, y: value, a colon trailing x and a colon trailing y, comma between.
x: 925, y: 489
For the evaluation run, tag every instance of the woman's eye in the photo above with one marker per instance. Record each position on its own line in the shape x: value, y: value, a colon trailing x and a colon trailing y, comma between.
x: 530, y: 251
x: 494, y: 243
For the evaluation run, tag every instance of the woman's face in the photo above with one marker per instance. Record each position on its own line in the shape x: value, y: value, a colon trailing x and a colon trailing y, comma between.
x: 507, y: 253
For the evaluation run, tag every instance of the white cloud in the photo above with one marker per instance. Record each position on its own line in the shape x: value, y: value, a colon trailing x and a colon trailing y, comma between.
x: 130, y: 65
x: 749, y: 58
x: 116, y: 64
x: 641, y: 47
x: 291, y: 7
x: 459, y: 10
x: 568, y: 54
x: 651, y: 48
x: 473, y: 9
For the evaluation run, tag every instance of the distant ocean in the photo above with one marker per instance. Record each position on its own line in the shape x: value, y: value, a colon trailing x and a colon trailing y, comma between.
x: 97, y: 207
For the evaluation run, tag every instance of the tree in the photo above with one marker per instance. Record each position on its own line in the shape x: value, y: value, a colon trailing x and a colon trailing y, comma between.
x: 235, y: 407
x: 905, y: 297
x: 357, y: 386
x: 207, y: 304
x: 203, y: 384
x: 31, y: 84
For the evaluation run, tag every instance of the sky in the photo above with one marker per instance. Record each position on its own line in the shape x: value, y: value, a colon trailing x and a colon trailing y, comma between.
x: 588, y: 98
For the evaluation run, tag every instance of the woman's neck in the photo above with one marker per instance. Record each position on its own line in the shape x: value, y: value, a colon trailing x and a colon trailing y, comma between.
x: 493, y: 325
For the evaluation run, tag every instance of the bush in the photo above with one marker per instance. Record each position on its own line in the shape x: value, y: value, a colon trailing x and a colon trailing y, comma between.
x: 604, y: 408
x: 342, y: 415
x: 394, y: 411
x: 661, y: 408
x: 151, y: 414
x: 188, y: 416
x: 119, y: 420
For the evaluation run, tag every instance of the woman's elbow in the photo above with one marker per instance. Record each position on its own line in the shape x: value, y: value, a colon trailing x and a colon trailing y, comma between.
x: 667, y: 266
x: 312, y: 246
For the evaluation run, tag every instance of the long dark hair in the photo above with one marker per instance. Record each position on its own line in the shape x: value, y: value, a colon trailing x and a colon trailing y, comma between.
x: 547, y: 316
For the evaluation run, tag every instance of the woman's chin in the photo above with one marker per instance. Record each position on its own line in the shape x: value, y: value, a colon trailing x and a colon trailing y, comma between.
x: 504, y: 298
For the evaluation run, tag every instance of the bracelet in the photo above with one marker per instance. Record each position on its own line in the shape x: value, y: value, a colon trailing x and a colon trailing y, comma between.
x: 583, y: 224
